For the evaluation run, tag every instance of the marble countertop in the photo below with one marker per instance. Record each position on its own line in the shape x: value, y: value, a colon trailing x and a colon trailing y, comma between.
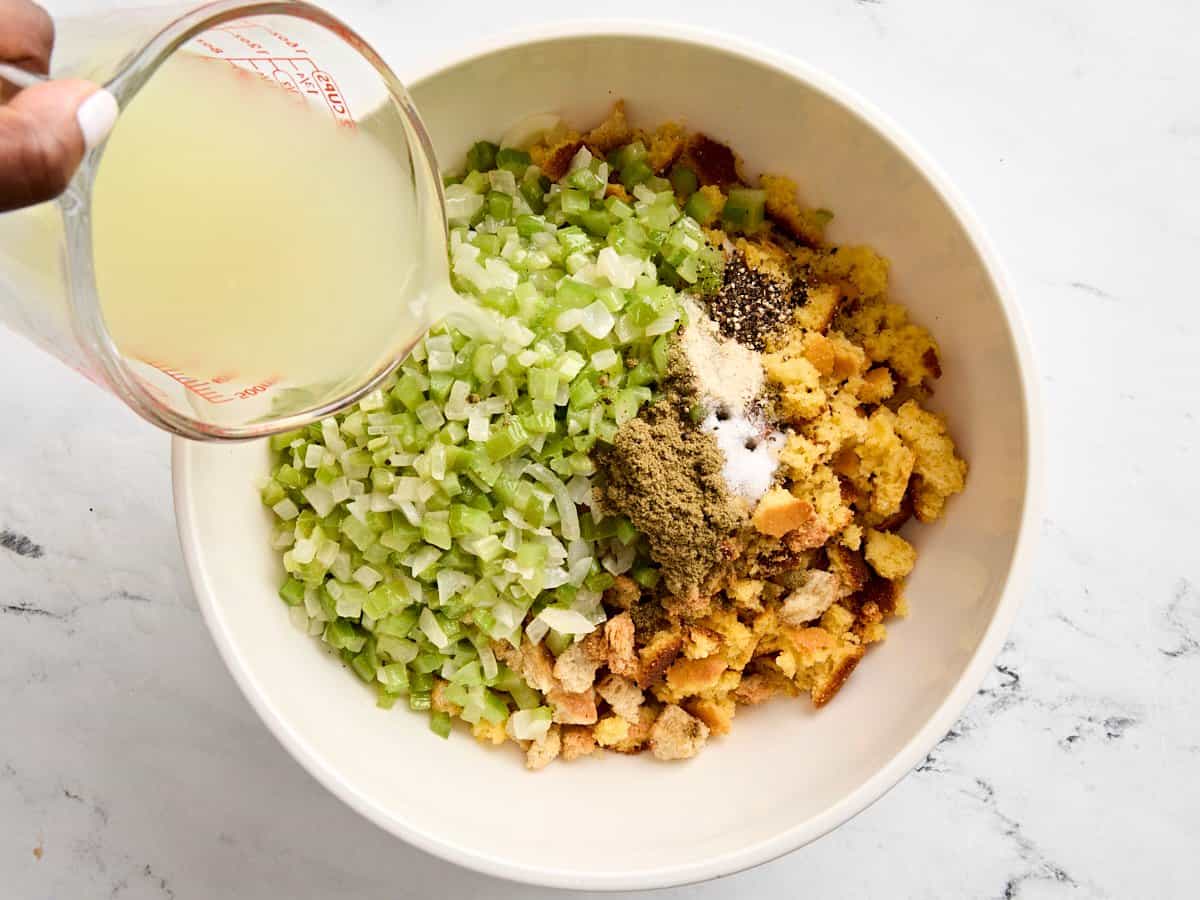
x: 131, y: 767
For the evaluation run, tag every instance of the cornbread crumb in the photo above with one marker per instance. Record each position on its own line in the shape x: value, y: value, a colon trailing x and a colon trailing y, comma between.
x: 779, y: 512
x: 573, y: 708
x: 612, y: 132
x: 489, y: 732
x: 940, y: 470
x: 537, y: 666
x: 677, y: 735
x: 576, y: 666
x: 818, y: 310
x: 716, y: 713
x: 886, y: 460
x: 664, y: 146
x: 577, y: 741
x: 612, y: 731
x: 889, y: 337
x: 716, y: 199
x: 622, y: 695
x: 544, y: 750
x: 694, y: 676
x: 889, y: 554
x: 622, y: 658
x: 815, y: 595
x: 805, y: 225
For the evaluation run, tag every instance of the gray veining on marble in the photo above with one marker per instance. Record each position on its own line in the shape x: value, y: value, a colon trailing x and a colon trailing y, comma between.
x: 130, y: 766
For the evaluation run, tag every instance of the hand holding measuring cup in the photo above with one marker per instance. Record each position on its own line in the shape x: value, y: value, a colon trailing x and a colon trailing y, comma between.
x: 247, y: 228
x: 45, y: 127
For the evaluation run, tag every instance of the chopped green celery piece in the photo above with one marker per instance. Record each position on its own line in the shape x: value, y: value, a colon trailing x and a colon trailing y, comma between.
x: 439, y: 388
x: 575, y: 202
x: 499, y: 205
x: 618, y: 208
x: 366, y: 663
x: 659, y: 353
x: 358, y: 532
x: 435, y: 530
x: 635, y: 173
x: 514, y: 160
x: 291, y: 477
x: 596, y: 221
x: 410, y: 391
x: 572, y: 294
x: 744, y: 209
x: 400, y: 537
x: 628, y: 154
x: 525, y: 696
x: 399, y: 625
x: 281, y: 441
x: 469, y: 675
x: 292, y: 592
x: 531, y: 555
x: 440, y: 723
x: 272, y: 492
x: 506, y: 440
x: 543, y: 384
x: 684, y: 180
x: 646, y: 576
x: 533, y: 189
x: 342, y: 634
x: 482, y: 156
x: 584, y: 179
x: 476, y: 181
x: 495, y: 710
x: 643, y: 373
x: 539, y: 421
x: 468, y: 522
x: 583, y: 394
x: 427, y: 661
x: 625, y: 530
x: 420, y: 701
x: 558, y: 642
x: 701, y: 208
x: 600, y: 581
x: 383, y: 699
x: 393, y: 677
x: 529, y: 225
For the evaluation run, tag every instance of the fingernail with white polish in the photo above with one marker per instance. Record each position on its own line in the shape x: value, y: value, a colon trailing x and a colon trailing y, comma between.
x: 96, y: 116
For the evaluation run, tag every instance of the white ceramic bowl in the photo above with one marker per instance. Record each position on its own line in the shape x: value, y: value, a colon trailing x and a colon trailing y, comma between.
x: 787, y: 774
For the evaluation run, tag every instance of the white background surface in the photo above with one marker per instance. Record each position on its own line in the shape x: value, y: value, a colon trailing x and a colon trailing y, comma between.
x: 131, y: 763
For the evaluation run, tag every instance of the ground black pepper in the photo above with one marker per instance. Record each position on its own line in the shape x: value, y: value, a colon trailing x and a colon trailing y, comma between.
x: 752, y: 305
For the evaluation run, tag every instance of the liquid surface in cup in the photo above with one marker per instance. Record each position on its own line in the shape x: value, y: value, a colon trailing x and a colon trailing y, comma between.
x: 239, y: 234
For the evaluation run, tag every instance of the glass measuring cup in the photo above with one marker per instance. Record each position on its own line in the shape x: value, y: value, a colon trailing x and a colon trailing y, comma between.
x: 49, y: 285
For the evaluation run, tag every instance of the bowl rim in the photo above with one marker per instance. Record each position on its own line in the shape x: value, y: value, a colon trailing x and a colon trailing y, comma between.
x: 938, y: 723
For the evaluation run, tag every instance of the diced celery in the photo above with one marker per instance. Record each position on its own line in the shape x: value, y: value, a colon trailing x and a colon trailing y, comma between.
x: 744, y: 209
x: 482, y: 156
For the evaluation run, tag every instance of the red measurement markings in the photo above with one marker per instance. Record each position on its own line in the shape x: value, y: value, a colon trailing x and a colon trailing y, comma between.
x: 208, y: 389
x: 210, y: 47
x: 234, y: 31
x: 299, y: 75
x: 293, y: 45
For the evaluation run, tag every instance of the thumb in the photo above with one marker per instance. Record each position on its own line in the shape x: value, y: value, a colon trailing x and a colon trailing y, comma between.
x: 44, y: 132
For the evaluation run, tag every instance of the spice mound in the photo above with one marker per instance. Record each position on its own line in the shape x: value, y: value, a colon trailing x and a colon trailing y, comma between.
x: 664, y: 474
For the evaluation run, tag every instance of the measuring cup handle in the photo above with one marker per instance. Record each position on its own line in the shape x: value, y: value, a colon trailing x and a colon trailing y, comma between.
x: 19, y: 78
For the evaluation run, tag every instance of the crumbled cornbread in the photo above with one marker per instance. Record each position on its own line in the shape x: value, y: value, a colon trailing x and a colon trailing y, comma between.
x: 612, y: 132
x: 889, y: 554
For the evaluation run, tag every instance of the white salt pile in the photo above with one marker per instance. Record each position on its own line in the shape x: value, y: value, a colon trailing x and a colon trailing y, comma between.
x: 729, y: 379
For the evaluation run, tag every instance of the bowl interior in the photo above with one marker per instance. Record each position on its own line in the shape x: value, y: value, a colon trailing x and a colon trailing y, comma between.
x: 785, y: 774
